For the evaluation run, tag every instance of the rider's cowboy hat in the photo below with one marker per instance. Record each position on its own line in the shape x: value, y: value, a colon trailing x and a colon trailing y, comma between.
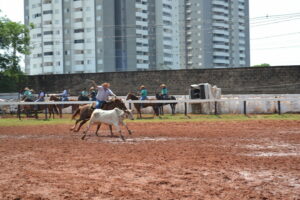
x: 105, y: 84
x: 26, y: 88
x: 163, y: 85
x: 142, y: 86
x: 92, y: 88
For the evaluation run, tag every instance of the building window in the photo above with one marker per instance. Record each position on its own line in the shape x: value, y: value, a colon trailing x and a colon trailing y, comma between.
x: 80, y: 9
x: 47, y: 1
x: 81, y: 30
x: 47, y: 22
x: 79, y: 51
x: 79, y: 62
x: 47, y: 12
x: 48, y: 53
x: 37, y: 15
x: 46, y: 64
x: 79, y: 41
x: 48, y: 32
x: 48, y: 43
x: 78, y: 20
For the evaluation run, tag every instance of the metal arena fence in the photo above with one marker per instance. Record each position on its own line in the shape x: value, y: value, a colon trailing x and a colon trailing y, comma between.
x: 210, y: 106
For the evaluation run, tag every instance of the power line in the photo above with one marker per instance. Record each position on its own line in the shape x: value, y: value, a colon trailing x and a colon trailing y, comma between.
x: 273, y: 36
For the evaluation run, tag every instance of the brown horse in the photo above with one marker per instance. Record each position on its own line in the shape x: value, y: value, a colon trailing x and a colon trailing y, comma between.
x: 86, y: 111
x: 60, y: 107
x: 139, y: 106
x: 28, y: 109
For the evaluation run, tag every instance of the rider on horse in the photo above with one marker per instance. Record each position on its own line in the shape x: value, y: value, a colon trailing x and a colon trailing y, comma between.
x: 103, y: 93
x: 41, y: 96
x: 143, y: 93
x: 93, y: 94
x: 164, y: 91
x: 64, y: 95
x: 28, y: 96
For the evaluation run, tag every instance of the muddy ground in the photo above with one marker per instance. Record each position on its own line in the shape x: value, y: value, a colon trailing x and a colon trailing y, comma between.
x: 186, y: 160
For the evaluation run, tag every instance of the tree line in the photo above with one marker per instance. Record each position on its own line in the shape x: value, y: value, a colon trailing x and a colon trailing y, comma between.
x: 14, y: 43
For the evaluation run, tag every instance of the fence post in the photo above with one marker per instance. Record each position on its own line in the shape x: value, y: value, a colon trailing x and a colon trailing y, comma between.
x: 185, y: 108
x: 279, y: 107
x: 130, y: 105
x: 216, y: 108
x: 46, y: 113
x: 19, y: 112
x: 245, y: 107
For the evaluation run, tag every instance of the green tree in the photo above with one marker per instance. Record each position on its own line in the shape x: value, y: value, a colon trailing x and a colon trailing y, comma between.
x: 14, y: 42
x: 262, y: 65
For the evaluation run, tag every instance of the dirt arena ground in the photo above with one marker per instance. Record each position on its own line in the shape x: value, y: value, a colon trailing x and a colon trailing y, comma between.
x: 175, y: 160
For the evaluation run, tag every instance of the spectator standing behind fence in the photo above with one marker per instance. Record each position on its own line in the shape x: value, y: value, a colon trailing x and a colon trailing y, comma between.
x: 93, y: 94
x: 164, y: 91
x: 103, y: 93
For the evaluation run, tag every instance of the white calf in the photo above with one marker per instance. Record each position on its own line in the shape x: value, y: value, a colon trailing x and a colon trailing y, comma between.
x: 111, y: 117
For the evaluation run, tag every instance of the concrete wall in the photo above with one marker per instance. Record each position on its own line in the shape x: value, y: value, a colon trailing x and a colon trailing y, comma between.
x: 261, y: 80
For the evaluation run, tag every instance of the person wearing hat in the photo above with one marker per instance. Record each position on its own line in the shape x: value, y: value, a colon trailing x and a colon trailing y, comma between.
x: 64, y: 95
x: 143, y: 93
x: 103, y: 93
x: 164, y: 91
x: 41, y: 96
x: 27, y: 94
x: 93, y: 94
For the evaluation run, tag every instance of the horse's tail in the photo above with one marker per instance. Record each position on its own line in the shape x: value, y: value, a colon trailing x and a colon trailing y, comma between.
x: 75, y: 113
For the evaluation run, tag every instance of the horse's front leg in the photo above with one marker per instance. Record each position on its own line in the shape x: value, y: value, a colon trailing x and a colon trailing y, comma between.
x: 86, y: 131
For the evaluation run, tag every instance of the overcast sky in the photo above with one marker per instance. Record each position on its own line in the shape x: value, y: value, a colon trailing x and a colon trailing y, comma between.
x: 277, y: 43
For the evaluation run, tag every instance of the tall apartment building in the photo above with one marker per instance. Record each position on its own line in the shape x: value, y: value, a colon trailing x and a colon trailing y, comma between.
x: 86, y: 36
x: 216, y: 33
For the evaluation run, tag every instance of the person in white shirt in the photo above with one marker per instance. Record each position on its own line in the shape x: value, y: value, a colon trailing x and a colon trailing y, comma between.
x: 103, y: 93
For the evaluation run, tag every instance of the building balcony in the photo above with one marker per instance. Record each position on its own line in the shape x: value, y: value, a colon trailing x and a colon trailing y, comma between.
x: 220, y: 46
x: 220, y: 39
x: 221, y: 61
x: 142, y: 66
x: 221, y: 10
x: 218, y: 53
x: 220, y: 17
x: 220, y: 24
x: 218, y: 2
x: 221, y: 32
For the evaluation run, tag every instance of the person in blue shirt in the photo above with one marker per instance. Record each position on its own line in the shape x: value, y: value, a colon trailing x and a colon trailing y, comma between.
x: 103, y: 93
x: 64, y: 95
x: 41, y: 96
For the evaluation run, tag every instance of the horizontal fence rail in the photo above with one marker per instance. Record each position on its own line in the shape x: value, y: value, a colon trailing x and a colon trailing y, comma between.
x: 189, y: 101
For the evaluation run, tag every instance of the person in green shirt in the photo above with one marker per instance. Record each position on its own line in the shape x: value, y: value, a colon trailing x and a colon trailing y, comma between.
x: 84, y: 93
x: 143, y: 92
x: 28, y: 94
x: 164, y: 91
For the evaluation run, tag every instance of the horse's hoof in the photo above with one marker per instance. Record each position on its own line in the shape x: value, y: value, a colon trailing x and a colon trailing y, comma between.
x: 130, y: 132
x: 83, y: 137
x: 123, y: 138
